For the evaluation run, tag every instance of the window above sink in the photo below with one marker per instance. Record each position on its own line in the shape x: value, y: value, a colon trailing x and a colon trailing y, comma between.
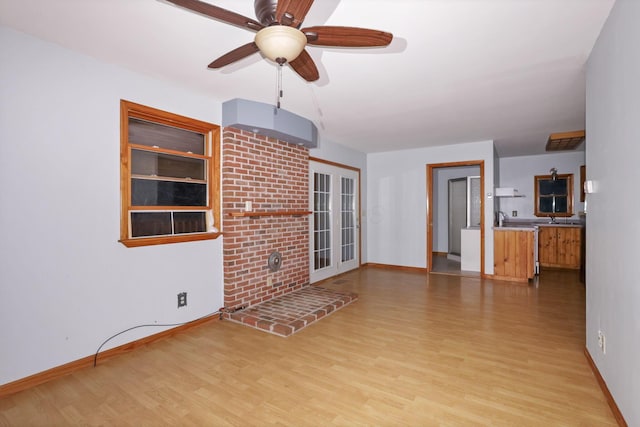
x: 553, y: 195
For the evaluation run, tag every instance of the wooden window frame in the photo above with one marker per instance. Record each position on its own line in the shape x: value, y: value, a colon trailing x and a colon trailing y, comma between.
x: 569, y: 195
x: 212, y: 155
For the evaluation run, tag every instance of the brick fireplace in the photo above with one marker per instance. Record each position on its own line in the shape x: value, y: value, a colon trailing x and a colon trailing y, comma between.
x: 274, y: 176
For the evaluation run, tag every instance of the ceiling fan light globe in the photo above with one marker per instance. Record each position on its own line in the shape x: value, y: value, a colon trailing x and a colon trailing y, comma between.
x: 280, y: 41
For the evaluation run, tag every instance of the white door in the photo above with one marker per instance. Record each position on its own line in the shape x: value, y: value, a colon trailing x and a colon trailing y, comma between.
x: 334, y: 231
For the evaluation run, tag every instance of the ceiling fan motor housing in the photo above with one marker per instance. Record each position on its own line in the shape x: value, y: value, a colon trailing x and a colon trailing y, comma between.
x: 266, y: 11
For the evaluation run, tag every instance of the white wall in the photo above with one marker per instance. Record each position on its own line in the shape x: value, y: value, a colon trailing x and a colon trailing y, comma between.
x: 337, y: 153
x: 66, y: 284
x: 613, y: 224
x: 397, y: 201
x: 518, y: 172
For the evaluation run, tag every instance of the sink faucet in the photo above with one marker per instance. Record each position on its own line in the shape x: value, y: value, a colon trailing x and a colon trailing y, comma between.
x: 501, y: 218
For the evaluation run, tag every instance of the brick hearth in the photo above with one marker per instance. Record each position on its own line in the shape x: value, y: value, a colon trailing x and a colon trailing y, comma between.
x: 294, y: 311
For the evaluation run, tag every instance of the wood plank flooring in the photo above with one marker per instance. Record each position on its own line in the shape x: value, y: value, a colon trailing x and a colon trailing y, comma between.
x: 414, y: 350
x: 443, y: 265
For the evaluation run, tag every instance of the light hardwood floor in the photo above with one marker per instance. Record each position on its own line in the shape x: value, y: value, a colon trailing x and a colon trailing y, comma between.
x: 414, y: 350
x: 442, y: 265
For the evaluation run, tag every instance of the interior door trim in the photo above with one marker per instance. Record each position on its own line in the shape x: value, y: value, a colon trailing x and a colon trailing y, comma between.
x: 430, y: 169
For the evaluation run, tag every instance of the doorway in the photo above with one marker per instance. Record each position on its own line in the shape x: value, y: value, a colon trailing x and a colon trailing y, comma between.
x: 334, y: 229
x: 444, y: 238
x: 457, y: 220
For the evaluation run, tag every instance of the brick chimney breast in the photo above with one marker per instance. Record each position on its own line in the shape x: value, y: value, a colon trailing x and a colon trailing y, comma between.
x: 273, y: 176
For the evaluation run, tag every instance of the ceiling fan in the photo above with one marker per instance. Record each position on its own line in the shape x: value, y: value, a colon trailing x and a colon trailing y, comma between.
x: 279, y: 37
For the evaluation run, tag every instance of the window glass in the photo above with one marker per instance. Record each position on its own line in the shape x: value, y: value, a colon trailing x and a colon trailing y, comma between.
x: 142, y: 132
x: 167, y: 165
x: 550, y: 186
x: 150, y: 223
x: 147, y: 192
x: 189, y: 222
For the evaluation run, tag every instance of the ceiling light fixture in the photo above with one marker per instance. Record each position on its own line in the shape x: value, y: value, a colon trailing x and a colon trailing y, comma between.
x: 281, y: 43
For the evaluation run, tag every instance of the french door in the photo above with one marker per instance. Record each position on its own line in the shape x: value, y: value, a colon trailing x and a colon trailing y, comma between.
x: 334, y: 231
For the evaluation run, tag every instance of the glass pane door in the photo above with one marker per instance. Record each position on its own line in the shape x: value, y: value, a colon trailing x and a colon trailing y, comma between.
x: 334, y: 232
x: 348, y: 215
x: 321, y: 221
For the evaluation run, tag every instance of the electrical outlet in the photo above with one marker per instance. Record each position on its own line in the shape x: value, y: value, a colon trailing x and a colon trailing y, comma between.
x: 269, y: 281
x: 514, y: 213
x: 182, y: 299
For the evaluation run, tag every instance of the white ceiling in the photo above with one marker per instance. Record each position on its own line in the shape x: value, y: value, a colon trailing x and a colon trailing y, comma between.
x: 457, y: 70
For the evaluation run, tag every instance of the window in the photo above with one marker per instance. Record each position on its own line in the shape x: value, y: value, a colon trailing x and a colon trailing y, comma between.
x: 554, y: 196
x: 169, y: 177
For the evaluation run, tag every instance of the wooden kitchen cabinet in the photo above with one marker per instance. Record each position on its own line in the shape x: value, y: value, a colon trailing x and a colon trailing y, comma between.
x: 559, y: 247
x: 513, y: 254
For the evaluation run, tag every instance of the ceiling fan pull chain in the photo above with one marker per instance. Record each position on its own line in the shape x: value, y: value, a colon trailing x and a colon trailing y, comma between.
x: 277, y: 90
x: 279, y: 84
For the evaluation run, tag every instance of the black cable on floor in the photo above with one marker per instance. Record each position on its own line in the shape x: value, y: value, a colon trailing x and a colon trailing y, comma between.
x: 95, y: 357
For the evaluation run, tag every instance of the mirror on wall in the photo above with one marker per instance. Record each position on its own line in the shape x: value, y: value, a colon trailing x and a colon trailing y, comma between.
x: 554, y: 195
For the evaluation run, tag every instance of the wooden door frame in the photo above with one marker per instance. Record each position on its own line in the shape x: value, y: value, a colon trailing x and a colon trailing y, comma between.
x: 430, y: 169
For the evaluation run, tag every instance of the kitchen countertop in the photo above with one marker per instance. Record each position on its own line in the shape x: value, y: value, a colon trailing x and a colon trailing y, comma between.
x: 516, y: 227
x: 530, y: 225
x: 546, y: 224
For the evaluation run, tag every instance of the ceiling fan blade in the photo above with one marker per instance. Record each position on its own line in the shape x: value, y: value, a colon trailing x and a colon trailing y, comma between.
x: 305, y: 66
x: 219, y: 13
x: 292, y: 12
x: 235, y: 55
x: 346, y: 36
